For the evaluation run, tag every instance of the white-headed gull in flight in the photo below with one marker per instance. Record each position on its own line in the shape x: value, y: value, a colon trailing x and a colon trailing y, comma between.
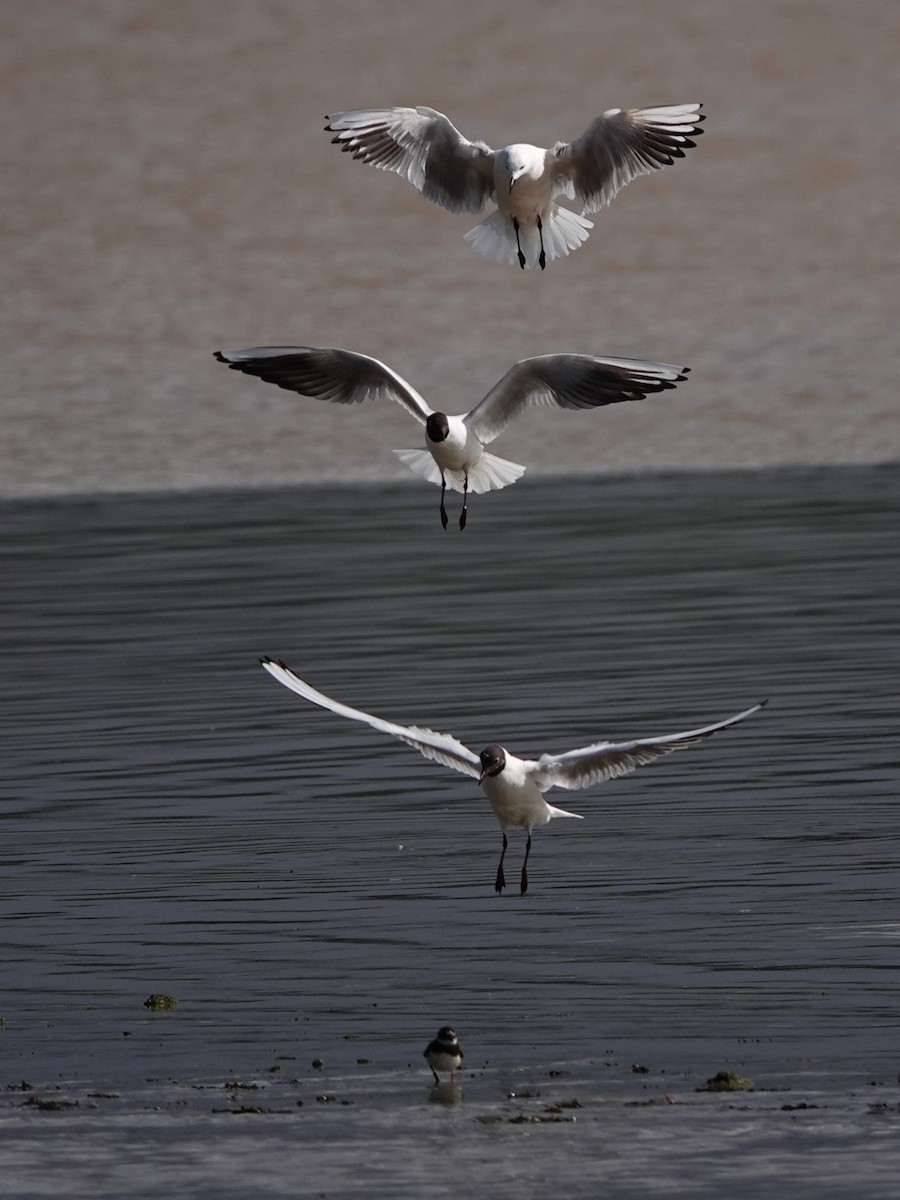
x: 522, y: 180
x: 515, y: 786
x: 454, y: 453
x: 444, y: 1053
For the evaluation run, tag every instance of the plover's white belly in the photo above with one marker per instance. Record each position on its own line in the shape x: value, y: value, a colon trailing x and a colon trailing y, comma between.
x: 441, y: 1061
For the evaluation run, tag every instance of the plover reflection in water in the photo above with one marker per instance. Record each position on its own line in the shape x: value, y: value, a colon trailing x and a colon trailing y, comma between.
x: 454, y: 455
x: 515, y: 786
x: 528, y: 226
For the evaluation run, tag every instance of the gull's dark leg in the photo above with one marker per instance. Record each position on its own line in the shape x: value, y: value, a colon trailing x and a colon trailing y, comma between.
x: 518, y: 243
x: 500, y: 883
x: 462, y: 515
x: 543, y: 258
x: 443, y: 508
x: 525, y: 866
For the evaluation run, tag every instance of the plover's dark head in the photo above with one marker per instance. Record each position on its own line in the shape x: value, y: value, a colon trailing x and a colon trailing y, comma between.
x: 493, y: 760
x: 437, y: 427
x: 446, y: 1034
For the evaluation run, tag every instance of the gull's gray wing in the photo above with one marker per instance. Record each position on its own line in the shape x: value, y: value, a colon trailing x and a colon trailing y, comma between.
x: 620, y: 145
x: 423, y: 146
x: 337, y: 375
x: 609, y: 760
x: 440, y: 747
x: 568, y: 381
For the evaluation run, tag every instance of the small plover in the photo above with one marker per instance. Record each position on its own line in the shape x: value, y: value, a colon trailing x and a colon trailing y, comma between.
x: 444, y: 1053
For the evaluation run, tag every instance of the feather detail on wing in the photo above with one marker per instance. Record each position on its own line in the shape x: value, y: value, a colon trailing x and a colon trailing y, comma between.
x: 608, y: 760
x: 620, y: 145
x: 341, y: 376
x: 422, y: 145
x: 440, y: 747
x: 568, y: 381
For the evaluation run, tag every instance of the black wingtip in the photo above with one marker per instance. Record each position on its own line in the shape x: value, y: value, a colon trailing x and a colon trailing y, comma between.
x: 220, y: 357
x: 763, y: 703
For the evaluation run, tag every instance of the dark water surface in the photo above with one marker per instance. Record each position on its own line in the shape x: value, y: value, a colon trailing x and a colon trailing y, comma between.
x: 174, y: 821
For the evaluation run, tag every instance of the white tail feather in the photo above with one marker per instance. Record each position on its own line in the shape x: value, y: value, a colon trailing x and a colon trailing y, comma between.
x: 495, y: 237
x: 561, y: 812
x: 564, y: 231
x: 489, y: 474
x: 422, y: 463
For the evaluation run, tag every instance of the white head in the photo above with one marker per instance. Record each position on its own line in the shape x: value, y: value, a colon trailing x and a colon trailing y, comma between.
x: 516, y: 161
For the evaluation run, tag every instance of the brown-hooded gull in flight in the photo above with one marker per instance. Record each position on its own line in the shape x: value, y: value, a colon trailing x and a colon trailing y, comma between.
x: 515, y: 786
x: 454, y: 453
x: 528, y: 226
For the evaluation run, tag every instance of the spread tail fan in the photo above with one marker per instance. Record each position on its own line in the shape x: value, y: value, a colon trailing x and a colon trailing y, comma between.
x: 490, y: 473
x: 495, y: 238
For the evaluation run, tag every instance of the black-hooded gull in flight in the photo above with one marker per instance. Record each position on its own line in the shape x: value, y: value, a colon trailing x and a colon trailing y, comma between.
x: 522, y: 180
x: 515, y: 786
x: 454, y: 453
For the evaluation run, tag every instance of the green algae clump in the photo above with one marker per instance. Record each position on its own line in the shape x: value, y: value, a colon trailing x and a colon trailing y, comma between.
x: 726, y: 1081
x: 159, y: 1002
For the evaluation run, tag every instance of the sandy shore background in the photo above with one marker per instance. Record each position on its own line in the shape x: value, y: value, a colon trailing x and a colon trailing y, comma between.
x: 169, y: 190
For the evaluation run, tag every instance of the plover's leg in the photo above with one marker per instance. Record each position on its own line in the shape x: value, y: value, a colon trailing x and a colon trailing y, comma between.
x: 443, y: 507
x: 518, y: 243
x: 462, y: 515
x: 524, y: 884
x: 435, y: 1074
x: 543, y: 258
x: 500, y: 882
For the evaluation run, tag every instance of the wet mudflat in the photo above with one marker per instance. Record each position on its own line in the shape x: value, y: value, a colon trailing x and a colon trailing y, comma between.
x: 174, y: 822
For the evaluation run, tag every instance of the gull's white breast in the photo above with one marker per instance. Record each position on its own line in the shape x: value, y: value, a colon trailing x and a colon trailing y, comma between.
x: 531, y: 194
x: 459, y: 451
x: 513, y: 796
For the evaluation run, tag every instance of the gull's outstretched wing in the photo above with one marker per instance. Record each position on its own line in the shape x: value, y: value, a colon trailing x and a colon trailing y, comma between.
x: 337, y: 375
x: 423, y: 146
x: 568, y: 381
x: 440, y: 747
x: 609, y: 760
x: 621, y: 145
